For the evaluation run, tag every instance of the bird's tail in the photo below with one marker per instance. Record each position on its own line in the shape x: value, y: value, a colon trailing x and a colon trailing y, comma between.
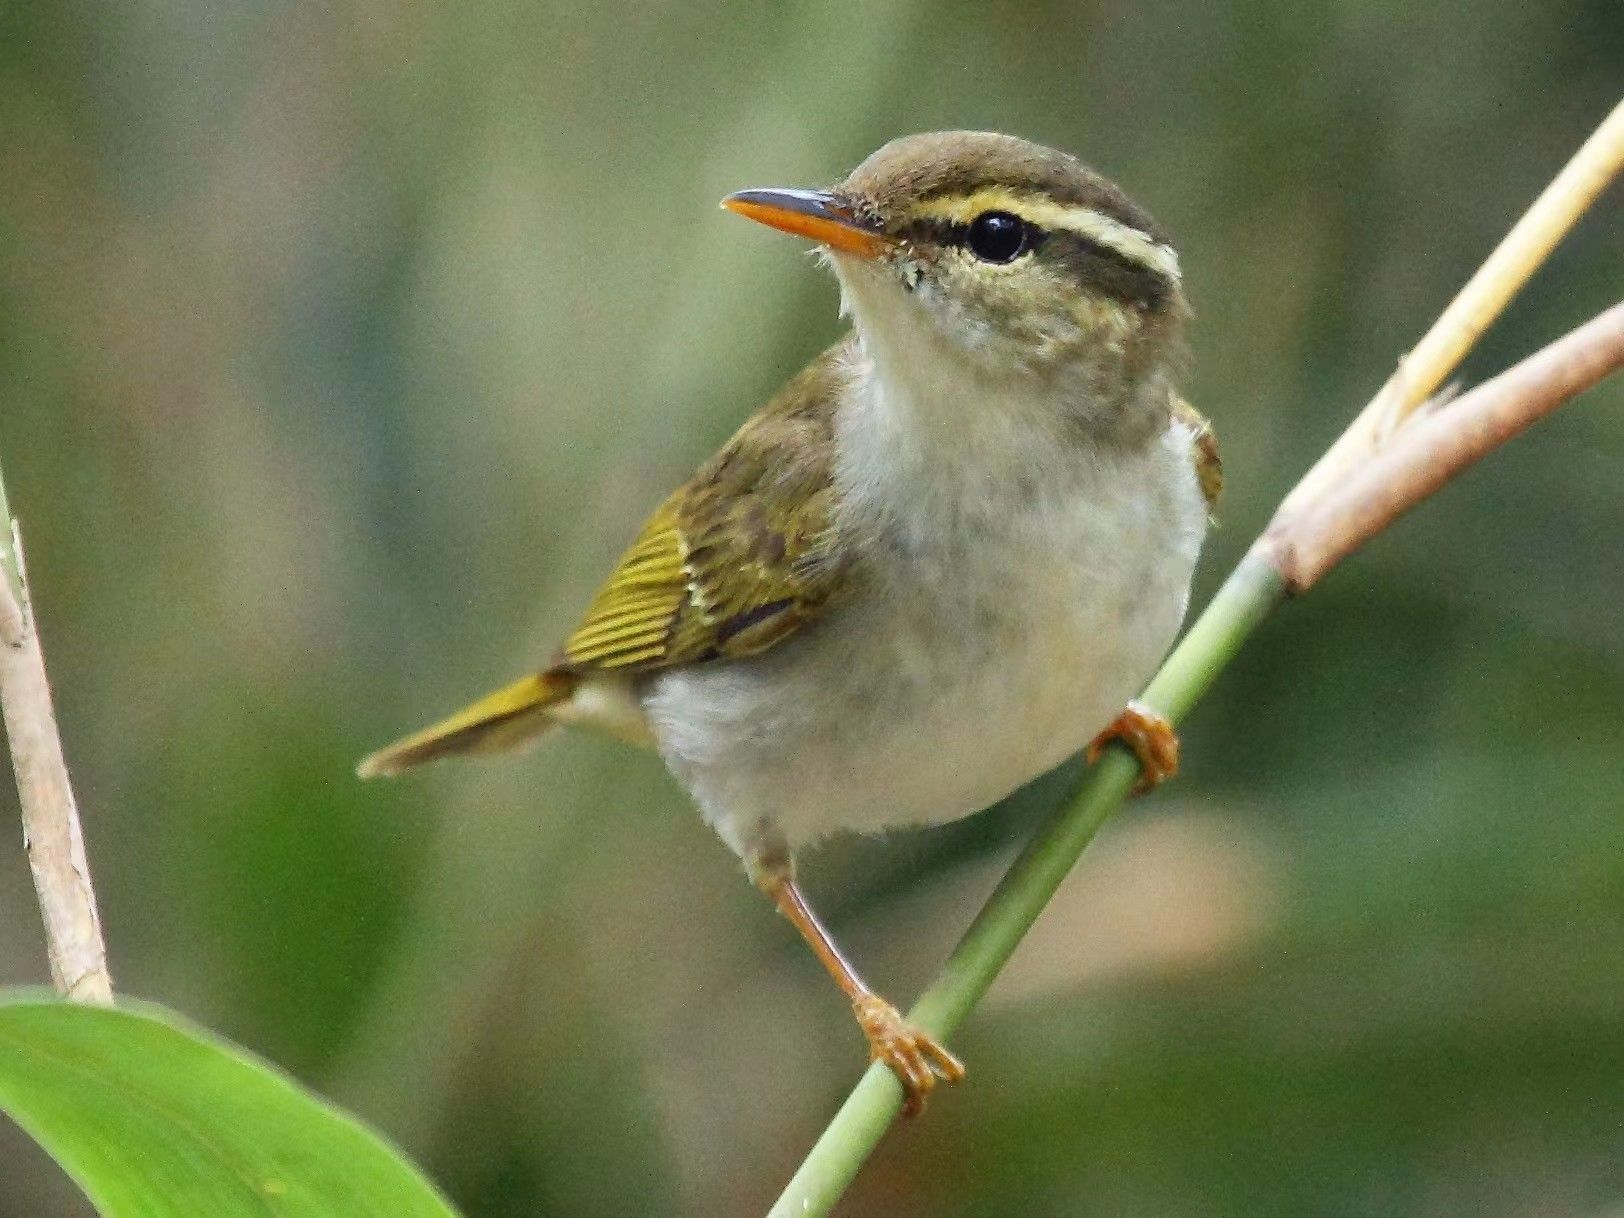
x: 502, y: 720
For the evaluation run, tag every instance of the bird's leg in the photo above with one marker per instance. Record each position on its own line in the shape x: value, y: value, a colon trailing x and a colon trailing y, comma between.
x: 1152, y: 739
x: 916, y: 1058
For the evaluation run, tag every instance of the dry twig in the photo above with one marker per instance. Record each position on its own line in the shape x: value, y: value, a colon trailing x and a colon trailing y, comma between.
x: 51, y: 832
x: 1520, y: 253
x: 1430, y: 448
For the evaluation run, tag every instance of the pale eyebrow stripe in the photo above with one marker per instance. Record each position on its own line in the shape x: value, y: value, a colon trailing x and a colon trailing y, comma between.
x: 1136, y: 246
x: 1114, y: 235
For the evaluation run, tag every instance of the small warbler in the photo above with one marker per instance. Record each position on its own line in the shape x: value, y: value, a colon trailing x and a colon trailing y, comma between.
x: 942, y: 559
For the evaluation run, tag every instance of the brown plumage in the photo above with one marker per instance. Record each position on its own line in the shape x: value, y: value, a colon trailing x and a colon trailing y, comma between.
x: 734, y: 561
x: 941, y: 558
x: 739, y: 557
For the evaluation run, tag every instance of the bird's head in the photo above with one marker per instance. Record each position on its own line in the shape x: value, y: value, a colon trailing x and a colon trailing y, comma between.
x: 989, y: 251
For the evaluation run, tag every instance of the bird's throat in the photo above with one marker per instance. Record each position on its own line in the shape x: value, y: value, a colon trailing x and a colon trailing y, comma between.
x: 945, y: 385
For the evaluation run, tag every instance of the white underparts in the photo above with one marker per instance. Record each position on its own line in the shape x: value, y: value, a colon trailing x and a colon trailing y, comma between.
x: 1016, y: 585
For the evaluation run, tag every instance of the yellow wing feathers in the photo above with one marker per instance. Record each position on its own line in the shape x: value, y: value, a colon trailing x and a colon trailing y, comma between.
x: 738, y: 559
x: 732, y: 563
x: 629, y: 622
x: 501, y: 720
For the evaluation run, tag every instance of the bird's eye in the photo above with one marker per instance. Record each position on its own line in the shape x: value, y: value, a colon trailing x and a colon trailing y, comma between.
x: 997, y: 236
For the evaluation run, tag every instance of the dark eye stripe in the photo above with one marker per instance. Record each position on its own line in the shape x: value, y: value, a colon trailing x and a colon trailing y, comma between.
x: 1112, y: 271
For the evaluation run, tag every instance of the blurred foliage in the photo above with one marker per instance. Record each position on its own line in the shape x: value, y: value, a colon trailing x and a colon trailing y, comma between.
x: 343, y: 346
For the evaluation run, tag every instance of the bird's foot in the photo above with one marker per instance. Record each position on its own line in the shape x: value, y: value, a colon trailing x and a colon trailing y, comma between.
x: 915, y: 1057
x: 1152, y: 739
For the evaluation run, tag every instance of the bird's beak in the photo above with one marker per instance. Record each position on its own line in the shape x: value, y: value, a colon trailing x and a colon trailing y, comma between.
x: 812, y: 213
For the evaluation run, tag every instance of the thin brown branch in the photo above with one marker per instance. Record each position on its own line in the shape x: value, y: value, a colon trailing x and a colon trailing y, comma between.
x: 1431, y: 448
x: 51, y: 832
x: 1429, y: 363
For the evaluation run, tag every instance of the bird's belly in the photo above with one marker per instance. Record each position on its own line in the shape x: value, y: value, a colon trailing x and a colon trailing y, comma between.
x: 937, y: 697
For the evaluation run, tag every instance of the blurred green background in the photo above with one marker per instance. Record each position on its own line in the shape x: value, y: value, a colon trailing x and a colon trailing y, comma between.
x: 343, y: 346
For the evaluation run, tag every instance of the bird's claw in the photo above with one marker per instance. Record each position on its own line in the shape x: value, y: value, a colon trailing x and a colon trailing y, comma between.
x: 1152, y: 739
x: 917, y: 1059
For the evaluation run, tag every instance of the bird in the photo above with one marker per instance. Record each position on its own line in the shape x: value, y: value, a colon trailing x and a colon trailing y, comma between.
x: 941, y: 560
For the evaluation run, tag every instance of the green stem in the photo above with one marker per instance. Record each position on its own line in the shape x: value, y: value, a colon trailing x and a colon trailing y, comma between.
x: 1247, y: 597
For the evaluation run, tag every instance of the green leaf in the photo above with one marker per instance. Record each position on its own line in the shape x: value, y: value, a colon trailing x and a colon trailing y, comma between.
x: 154, y: 1117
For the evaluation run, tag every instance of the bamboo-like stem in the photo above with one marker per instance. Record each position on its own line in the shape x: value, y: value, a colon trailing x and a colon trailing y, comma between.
x: 1305, y: 545
x: 51, y: 832
x: 1520, y: 253
x: 1326, y: 517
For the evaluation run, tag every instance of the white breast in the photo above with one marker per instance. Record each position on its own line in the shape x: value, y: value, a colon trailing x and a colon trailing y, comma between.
x: 1004, y: 621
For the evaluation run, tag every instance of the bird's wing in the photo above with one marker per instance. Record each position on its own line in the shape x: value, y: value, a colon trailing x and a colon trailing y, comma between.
x: 739, y: 558
x: 1209, y: 467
